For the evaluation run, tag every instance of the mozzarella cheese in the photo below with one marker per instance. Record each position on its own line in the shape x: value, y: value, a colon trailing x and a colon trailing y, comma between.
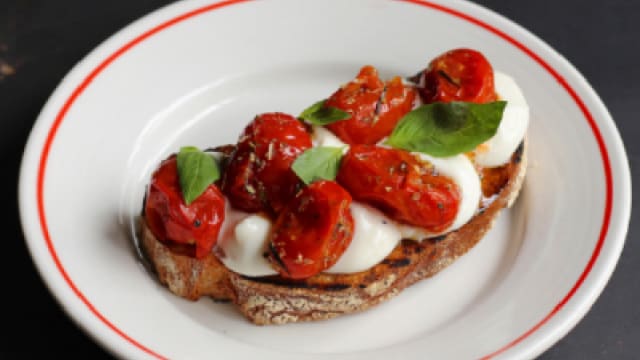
x: 374, y: 237
x: 321, y: 136
x: 243, y: 243
x: 515, y: 120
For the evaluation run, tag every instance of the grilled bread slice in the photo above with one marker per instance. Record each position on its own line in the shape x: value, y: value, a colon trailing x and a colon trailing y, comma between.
x: 275, y: 300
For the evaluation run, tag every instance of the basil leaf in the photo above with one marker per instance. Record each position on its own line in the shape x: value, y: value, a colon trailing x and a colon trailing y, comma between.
x: 319, y: 114
x: 447, y: 129
x: 318, y: 163
x: 196, y: 171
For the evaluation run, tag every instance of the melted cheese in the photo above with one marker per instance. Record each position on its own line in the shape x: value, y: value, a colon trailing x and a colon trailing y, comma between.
x: 243, y: 241
x: 374, y: 237
x: 321, y: 136
x: 515, y: 120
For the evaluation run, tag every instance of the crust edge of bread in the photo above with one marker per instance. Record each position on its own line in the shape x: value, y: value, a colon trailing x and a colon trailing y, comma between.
x: 324, y: 296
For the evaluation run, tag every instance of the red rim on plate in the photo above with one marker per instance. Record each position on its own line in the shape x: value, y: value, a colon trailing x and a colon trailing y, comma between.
x: 188, y: 15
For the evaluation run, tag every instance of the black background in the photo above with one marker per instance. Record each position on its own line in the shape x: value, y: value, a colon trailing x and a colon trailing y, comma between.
x: 41, y: 40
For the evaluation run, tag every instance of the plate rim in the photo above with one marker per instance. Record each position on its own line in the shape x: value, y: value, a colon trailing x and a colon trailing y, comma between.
x: 155, y: 22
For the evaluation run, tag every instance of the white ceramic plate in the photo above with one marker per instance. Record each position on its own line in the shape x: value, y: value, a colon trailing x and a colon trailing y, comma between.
x: 196, y: 72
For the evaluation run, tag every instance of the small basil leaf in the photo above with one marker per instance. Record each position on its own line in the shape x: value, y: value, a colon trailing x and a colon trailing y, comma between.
x: 196, y: 171
x: 447, y: 129
x: 312, y: 109
x: 319, y: 114
x: 318, y: 163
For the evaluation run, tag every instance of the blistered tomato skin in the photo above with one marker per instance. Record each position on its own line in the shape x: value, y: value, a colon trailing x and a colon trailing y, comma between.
x: 375, y: 107
x: 195, y: 226
x: 312, y: 232
x: 458, y: 75
x: 394, y: 181
x: 258, y: 176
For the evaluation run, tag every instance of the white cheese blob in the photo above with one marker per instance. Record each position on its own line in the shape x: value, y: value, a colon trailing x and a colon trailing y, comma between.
x: 322, y: 136
x: 461, y: 170
x: 243, y: 241
x: 374, y: 237
x: 515, y: 120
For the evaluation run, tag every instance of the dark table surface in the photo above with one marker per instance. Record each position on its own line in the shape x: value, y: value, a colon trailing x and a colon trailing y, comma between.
x: 41, y: 40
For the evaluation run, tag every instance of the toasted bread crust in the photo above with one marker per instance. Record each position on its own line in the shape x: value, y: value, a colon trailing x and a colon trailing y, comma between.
x: 274, y: 300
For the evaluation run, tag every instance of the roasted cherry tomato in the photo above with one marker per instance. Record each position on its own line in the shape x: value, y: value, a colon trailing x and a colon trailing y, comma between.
x: 258, y: 176
x: 195, y: 226
x: 375, y: 107
x: 458, y: 75
x: 313, y: 231
x: 397, y: 183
